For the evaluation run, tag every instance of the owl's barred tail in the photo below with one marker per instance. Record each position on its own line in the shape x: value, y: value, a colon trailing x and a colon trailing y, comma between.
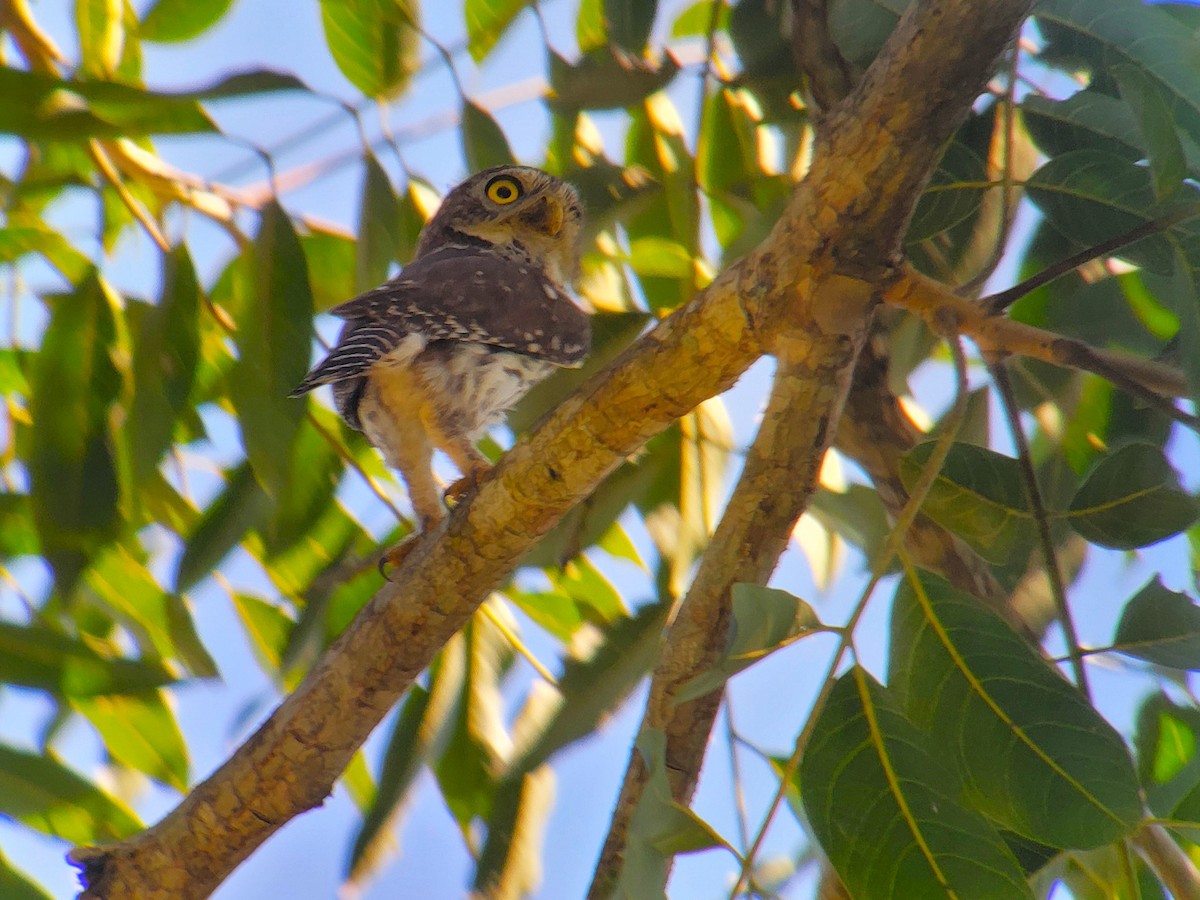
x: 359, y: 348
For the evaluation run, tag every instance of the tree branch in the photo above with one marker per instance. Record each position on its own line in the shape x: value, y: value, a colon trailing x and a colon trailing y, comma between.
x: 945, y: 311
x: 869, y: 164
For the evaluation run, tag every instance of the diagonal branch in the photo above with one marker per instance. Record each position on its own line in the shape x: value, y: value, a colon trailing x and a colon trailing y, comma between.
x: 870, y: 162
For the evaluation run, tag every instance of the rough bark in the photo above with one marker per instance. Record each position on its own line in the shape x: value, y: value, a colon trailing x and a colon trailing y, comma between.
x: 869, y: 166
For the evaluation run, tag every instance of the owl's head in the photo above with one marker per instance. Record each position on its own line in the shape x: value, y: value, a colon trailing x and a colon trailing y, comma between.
x: 514, y: 205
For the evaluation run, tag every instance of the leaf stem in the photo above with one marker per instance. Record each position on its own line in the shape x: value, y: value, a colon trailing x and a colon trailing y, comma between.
x: 1008, y: 402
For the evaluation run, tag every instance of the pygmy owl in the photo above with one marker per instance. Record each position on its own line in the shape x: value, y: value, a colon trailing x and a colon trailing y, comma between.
x: 434, y: 357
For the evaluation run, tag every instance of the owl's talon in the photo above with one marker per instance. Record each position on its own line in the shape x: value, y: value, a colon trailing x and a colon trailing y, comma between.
x: 459, y: 489
x: 394, y: 557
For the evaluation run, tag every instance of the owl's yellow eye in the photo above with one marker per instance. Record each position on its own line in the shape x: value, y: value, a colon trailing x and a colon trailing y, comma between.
x: 502, y: 189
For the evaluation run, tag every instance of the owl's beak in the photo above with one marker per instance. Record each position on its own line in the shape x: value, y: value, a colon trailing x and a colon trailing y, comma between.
x: 546, y: 216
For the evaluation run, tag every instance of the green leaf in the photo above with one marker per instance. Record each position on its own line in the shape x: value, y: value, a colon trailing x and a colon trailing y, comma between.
x: 1033, y: 754
x: 331, y: 266
x: 375, y: 43
x: 483, y: 141
x: 1132, y: 499
x: 1091, y: 196
x: 42, y: 793
x: 18, y: 536
x: 590, y: 31
x: 954, y: 194
x: 34, y: 656
x: 979, y: 496
x: 607, y: 78
x: 1166, y: 740
x: 140, y: 731
x: 663, y: 257
x: 1145, y: 37
x: 315, y: 470
x: 764, y: 620
x: 511, y: 861
x: 165, y: 355
x: 40, y: 107
x: 591, y: 688
x: 101, y: 36
x: 36, y: 237
x: 378, y: 219
x: 1085, y: 120
x: 659, y: 827
x: 1160, y: 626
x: 160, y: 622
x: 628, y: 22
x: 885, y: 808
x: 241, y: 507
x: 1168, y: 164
x: 72, y: 458
x: 250, y: 82
x: 169, y: 21
x: 696, y: 19
x: 15, y: 886
x: 487, y: 20
x: 267, y: 627
x: 273, y: 351
x: 479, y: 741
x: 402, y: 761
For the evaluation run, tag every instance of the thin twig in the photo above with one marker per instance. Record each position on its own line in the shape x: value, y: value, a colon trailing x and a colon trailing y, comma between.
x: 998, y: 303
x: 1038, y: 507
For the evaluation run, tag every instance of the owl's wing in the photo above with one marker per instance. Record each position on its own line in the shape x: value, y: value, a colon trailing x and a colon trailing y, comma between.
x: 456, y: 294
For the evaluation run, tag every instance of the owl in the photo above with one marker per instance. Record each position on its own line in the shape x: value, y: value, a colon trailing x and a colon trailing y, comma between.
x: 437, y: 355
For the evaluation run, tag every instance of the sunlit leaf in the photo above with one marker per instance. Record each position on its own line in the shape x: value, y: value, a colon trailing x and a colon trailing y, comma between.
x: 168, y: 21
x: 267, y: 627
x: 511, y: 861
x: 40, y: 107
x: 487, y: 20
x: 479, y: 740
x: 101, y: 36
x: 886, y: 809
x: 375, y: 44
x: 37, y: 657
x: 1033, y: 754
x: 140, y: 731
x: 42, y: 793
x: 1167, y: 740
x: 1132, y: 499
